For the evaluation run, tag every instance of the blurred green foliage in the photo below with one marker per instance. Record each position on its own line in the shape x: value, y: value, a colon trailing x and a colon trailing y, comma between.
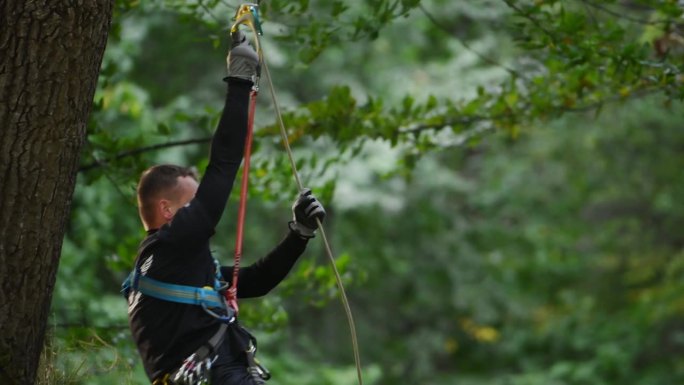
x: 503, y: 179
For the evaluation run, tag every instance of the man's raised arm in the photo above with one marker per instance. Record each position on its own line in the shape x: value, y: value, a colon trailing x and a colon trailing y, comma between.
x: 195, y: 223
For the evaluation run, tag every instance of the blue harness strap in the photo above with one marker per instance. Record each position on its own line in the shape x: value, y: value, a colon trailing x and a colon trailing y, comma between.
x: 190, y: 295
x: 207, y: 297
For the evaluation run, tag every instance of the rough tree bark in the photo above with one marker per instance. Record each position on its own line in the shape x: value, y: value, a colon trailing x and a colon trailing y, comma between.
x: 50, y: 56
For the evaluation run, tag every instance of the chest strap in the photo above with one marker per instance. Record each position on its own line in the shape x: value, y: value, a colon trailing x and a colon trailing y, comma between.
x: 189, y: 295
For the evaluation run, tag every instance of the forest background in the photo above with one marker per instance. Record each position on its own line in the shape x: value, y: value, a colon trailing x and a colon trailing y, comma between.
x: 503, y: 180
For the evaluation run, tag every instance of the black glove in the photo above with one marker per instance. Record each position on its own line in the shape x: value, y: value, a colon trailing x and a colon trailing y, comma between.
x: 305, y: 210
x: 242, y: 60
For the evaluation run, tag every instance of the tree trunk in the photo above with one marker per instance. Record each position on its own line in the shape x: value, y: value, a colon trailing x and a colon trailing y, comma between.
x: 50, y: 56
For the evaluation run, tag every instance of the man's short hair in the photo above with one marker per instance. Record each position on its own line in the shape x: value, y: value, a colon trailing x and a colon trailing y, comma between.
x: 156, y: 182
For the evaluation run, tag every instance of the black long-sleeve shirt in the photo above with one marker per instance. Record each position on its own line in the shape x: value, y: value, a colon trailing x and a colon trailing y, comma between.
x: 167, y: 332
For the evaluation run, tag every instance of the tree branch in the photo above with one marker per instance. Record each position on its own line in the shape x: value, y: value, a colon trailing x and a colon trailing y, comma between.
x: 106, y: 174
x: 209, y: 12
x: 450, y: 122
x: 141, y: 150
x: 402, y: 131
x: 554, y: 110
x: 467, y: 46
x: 619, y: 15
x: 529, y: 17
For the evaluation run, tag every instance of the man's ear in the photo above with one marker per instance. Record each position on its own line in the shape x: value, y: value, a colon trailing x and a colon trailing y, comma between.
x: 165, y: 209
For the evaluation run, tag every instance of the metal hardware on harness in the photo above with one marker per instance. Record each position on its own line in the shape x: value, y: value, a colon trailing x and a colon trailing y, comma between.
x: 228, y: 318
x: 255, y: 368
x: 247, y: 11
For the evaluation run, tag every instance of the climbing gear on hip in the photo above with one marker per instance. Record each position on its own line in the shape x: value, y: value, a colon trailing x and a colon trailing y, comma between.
x: 196, y: 368
x: 258, y: 372
x: 243, y: 341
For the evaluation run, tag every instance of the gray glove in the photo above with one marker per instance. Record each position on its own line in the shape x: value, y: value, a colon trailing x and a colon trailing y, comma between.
x: 242, y: 60
x: 305, y: 210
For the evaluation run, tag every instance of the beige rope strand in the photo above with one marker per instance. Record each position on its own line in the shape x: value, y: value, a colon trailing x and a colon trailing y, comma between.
x: 248, y: 19
x: 328, y: 249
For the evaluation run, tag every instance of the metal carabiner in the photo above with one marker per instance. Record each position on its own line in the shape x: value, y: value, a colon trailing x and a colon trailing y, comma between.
x: 248, y: 13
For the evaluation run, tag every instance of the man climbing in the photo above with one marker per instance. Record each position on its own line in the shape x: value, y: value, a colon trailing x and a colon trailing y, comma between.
x: 184, y: 331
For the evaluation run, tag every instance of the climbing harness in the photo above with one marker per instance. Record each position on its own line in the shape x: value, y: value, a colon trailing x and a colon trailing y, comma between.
x: 211, y: 299
x: 195, y: 369
x: 248, y: 14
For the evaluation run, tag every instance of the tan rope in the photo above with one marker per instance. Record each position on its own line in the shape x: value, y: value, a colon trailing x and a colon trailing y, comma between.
x: 328, y: 249
x: 245, y: 17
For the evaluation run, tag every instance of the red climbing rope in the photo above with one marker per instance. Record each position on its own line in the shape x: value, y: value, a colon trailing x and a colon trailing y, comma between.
x: 248, y: 15
x: 231, y: 293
